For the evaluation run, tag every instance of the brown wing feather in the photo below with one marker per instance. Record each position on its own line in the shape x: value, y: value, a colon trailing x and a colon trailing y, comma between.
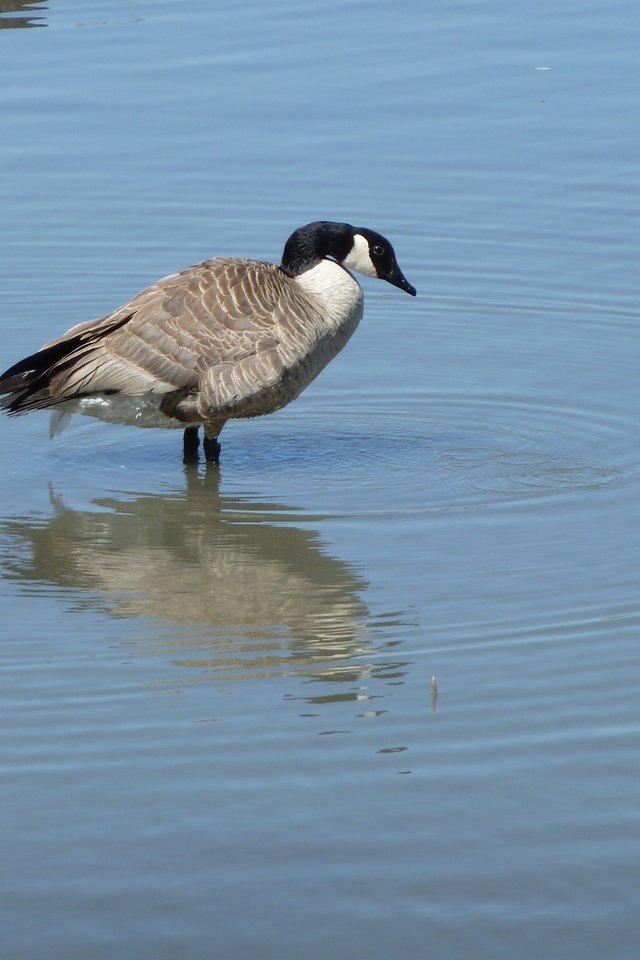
x: 164, y: 339
x: 213, y: 313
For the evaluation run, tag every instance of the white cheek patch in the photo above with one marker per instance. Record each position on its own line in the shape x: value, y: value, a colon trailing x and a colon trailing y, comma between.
x: 358, y: 258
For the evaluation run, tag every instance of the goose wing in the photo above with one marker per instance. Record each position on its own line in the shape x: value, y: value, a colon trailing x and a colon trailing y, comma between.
x: 213, y: 315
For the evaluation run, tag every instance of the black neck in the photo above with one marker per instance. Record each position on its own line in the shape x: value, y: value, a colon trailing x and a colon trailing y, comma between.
x: 312, y: 243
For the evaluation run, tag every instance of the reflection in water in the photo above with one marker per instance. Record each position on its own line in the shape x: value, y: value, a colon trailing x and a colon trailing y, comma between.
x: 249, y: 594
x: 21, y: 6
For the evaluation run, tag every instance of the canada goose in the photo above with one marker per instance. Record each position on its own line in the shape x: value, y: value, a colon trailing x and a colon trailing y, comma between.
x: 223, y: 339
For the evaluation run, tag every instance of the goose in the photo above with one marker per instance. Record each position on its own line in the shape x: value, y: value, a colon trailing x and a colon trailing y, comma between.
x: 224, y: 339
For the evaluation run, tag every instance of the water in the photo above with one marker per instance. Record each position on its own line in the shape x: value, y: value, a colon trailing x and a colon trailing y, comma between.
x: 219, y: 734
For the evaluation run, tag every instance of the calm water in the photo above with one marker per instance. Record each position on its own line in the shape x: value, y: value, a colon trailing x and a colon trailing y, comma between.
x: 219, y: 737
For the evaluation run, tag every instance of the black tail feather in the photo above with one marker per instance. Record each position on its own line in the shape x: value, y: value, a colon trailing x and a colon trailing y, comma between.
x: 25, y: 385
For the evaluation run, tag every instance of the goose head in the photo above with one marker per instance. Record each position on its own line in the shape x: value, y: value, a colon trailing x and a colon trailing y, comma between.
x: 356, y: 248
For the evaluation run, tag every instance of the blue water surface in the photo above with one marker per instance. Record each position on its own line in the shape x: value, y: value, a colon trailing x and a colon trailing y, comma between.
x: 220, y: 737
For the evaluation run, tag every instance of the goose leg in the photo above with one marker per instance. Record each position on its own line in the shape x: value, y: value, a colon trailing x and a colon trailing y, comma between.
x: 211, y: 444
x: 190, y: 444
x: 212, y: 448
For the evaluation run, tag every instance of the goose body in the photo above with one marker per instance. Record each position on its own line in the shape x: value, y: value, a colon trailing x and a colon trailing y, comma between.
x: 224, y: 339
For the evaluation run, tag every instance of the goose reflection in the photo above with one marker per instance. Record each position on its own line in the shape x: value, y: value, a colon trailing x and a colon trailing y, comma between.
x: 250, y: 592
x: 20, y: 6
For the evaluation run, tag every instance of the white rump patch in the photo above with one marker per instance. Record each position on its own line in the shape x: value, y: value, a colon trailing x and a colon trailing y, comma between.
x: 139, y: 411
x: 358, y: 258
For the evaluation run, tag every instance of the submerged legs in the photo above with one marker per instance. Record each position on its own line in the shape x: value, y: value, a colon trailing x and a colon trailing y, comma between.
x: 211, y: 445
x: 212, y: 448
x: 190, y: 444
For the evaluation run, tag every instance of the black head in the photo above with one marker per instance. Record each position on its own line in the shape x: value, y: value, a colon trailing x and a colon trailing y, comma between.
x: 356, y: 248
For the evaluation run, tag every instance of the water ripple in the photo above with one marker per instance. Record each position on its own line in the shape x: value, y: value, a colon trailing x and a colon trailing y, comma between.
x: 452, y: 451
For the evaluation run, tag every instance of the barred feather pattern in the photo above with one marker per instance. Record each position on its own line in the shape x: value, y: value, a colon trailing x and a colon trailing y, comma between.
x: 224, y: 338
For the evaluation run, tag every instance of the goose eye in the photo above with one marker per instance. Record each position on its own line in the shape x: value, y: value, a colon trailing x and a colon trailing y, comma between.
x: 378, y: 250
